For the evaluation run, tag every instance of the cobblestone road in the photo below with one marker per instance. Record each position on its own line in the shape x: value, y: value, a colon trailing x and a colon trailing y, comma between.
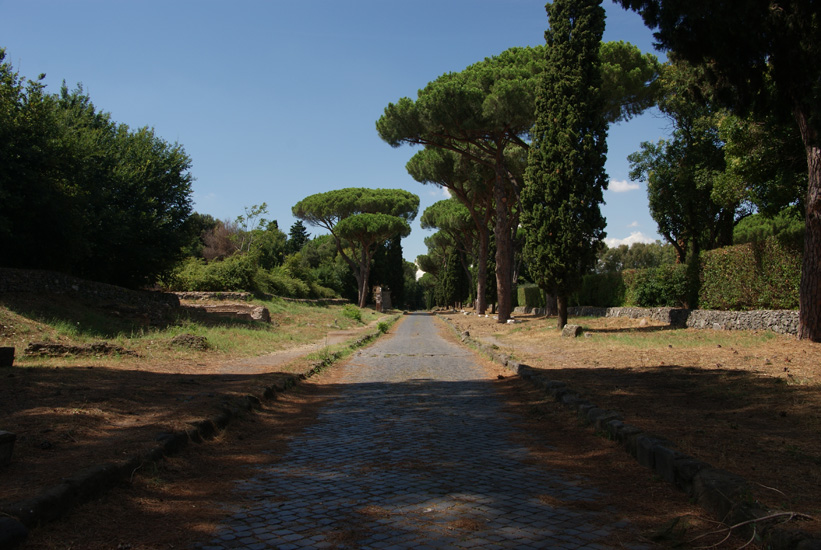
x: 415, y: 453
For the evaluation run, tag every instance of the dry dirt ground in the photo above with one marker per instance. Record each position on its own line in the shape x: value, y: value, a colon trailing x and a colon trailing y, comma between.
x: 748, y: 403
x: 181, y: 499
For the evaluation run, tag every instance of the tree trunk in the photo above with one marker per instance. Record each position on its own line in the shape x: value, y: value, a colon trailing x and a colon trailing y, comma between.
x: 809, y: 318
x: 550, y: 307
x: 365, y: 270
x: 504, y: 246
x: 561, y: 302
x: 809, y: 324
x: 481, y: 275
x: 363, y: 293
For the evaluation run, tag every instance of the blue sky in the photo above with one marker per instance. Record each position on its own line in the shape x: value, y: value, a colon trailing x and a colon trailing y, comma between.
x: 277, y: 100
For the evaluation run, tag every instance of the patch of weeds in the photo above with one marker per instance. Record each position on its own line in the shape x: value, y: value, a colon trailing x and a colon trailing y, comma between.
x: 352, y: 312
x: 383, y: 326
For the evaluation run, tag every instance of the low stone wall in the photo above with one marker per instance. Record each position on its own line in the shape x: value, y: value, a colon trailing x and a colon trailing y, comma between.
x: 332, y: 301
x: 155, y: 306
x: 779, y: 321
x: 246, y: 296
x: 248, y: 312
x: 216, y: 296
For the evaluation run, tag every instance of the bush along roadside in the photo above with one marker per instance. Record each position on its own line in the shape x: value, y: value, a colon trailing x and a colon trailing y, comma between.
x: 54, y: 502
x: 724, y: 495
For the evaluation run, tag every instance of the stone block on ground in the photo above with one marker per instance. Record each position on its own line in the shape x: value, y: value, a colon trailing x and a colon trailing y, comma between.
x: 572, y: 331
x: 723, y: 494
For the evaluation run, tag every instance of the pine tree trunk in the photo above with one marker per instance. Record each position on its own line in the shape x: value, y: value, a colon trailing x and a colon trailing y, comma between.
x: 561, y: 302
x: 504, y: 243
x: 481, y: 277
x: 503, y: 262
x: 809, y: 323
x: 365, y: 270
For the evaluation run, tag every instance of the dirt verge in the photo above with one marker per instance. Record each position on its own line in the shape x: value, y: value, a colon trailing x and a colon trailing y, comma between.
x: 744, y: 402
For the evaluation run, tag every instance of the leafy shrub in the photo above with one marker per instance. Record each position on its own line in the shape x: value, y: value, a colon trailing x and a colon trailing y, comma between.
x: 352, y: 312
x: 664, y: 286
x: 279, y: 281
x: 763, y: 275
x: 383, y: 326
x: 240, y: 272
x: 234, y: 273
x: 530, y: 295
x: 600, y: 290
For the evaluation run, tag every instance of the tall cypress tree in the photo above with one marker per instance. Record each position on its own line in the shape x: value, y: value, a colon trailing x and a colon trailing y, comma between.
x: 388, y: 269
x: 565, y: 176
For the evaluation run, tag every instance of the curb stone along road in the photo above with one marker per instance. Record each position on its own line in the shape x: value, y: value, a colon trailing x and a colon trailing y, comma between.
x: 415, y: 452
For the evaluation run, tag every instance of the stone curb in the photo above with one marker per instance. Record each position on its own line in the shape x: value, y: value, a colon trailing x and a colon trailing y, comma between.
x: 18, y: 518
x: 724, y: 495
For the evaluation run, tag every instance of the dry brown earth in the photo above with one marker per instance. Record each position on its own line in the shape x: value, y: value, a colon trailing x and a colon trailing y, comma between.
x: 749, y: 403
x: 746, y: 402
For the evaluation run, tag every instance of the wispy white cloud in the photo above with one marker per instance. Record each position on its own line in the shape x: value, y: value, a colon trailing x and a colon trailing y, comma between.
x: 634, y: 224
x: 635, y: 237
x: 442, y: 192
x: 622, y: 186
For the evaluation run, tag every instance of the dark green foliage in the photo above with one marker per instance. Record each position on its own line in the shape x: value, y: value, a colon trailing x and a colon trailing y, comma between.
x: 764, y: 56
x: 268, y: 245
x: 234, y: 273
x: 453, y: 286
x: 787, y: 227
x: 530, y: 295
x: 388, y: 270
x: 241, y: 272
x: 352, y: 312
x: 337, y: 275
x: 600, y: 290
x: 297, y: 237
x: 761, y: 275
x: 766, y: 162
x: 82, y: 194
x: 682, y: 172
x: 414, y: 294
x: 565, y: 174
x: 360, y: 220
x: 327, y: 268
x: 665, y: 286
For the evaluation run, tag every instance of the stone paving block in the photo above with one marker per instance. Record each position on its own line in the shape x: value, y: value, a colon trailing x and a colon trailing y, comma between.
x: 426, y: 441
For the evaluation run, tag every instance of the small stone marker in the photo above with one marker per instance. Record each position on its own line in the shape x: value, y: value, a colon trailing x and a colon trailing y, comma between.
x: 571, y: 331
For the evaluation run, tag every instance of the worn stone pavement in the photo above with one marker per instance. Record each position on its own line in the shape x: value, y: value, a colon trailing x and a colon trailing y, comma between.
x: 415, y: 452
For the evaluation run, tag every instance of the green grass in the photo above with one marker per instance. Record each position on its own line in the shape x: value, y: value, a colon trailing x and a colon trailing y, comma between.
x: 293, y: 324
x: 685, y: 338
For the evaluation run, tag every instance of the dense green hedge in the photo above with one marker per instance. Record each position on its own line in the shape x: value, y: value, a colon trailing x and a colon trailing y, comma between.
x: 600, y: 290
x: 663, y: 286
x: 529, y: 295
x: 763, y: 275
